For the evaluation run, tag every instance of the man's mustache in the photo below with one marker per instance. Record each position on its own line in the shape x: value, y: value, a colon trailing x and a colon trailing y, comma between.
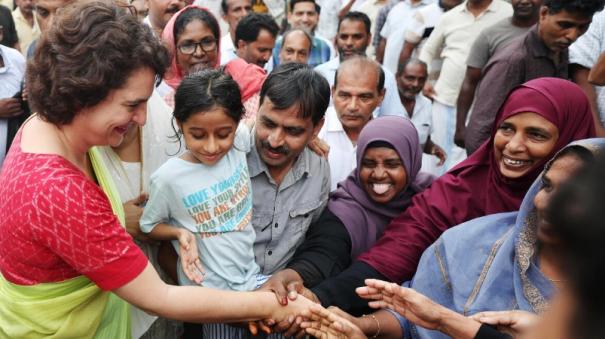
x: 281, y: 149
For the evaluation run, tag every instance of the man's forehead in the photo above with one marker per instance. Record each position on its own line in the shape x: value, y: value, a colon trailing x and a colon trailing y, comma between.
x: 50, y: 4
x: 290, y: 117
x: 351, y: 27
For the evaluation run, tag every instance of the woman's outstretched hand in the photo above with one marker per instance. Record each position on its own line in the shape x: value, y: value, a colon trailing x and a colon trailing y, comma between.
x: 322, y: 323
x: 512, y: 322
x: 410, y: 304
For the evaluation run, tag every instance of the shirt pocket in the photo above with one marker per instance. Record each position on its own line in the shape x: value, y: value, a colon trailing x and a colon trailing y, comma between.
x: 301, y: 216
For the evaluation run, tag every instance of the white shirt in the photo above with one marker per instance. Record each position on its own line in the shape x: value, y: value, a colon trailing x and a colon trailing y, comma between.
x: 11, y: 76
x: 452, y: 39
x: 227, y: 49
x: 401, y: 14
x: 391, y: 105
x: 586, y: 50
x: 422, y: 118
x: 328, y: 18
x: 342, y: 151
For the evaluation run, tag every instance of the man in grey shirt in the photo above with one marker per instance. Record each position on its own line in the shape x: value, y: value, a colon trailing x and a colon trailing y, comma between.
x: 525, y: 15
x: 290, y: 183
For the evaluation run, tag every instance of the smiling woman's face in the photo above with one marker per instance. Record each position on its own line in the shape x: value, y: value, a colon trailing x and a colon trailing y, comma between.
x: 521, y: 142
x: 382, y: 174
x: 196, y: 32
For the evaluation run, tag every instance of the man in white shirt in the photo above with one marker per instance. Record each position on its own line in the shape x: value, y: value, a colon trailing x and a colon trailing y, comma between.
x: 12, y: 70
x: 25, y: 24
x: 233, y: 12
x: 358, y: 90
x: 392, y: 33
x: 353, y: 39
x: 411, y: 77
x: 452, y: 39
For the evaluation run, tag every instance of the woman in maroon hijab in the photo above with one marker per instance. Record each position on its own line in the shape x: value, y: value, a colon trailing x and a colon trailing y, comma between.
x: 537, y: 119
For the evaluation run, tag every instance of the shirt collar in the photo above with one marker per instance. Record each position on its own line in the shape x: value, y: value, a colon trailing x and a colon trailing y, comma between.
x: 537, y: 46
x: 333, y: 124
x: 493, y: 7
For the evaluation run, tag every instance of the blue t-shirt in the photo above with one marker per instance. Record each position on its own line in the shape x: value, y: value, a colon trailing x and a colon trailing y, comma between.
x: 215, y: 204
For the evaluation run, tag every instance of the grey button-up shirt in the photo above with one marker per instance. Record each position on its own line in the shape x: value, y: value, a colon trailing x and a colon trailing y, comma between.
x: 282, y: 214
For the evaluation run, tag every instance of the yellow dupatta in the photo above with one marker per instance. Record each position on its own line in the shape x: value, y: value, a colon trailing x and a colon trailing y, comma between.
x: 74, y: 308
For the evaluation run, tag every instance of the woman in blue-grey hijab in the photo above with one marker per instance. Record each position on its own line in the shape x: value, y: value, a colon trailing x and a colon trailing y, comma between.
x: 505, y: 261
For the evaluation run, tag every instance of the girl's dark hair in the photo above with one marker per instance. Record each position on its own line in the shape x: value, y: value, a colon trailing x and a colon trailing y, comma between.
x: 204, y: 90
x: 92, y: 48
x: 192, y: 14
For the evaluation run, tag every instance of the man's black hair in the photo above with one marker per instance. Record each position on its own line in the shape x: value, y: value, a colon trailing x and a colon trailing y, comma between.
x: 297, y: 84
x: 586, y: 8
x: 249, y: 27
x: 357, y: 16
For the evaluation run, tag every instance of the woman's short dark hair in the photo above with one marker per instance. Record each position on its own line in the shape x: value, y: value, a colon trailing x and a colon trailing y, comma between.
x: 92, y: 48
x: 205, y: 90
x: 297, y: 84
x: 192, y: 14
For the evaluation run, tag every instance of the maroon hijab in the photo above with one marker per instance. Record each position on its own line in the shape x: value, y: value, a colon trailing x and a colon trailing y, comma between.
x: 364, y: 218
x: 476, y: 187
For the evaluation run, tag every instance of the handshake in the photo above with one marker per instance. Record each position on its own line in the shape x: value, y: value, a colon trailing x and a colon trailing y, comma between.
x: 300, y: 312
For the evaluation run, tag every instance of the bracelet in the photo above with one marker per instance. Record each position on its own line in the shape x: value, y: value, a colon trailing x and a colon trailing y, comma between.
x: 377, y: 325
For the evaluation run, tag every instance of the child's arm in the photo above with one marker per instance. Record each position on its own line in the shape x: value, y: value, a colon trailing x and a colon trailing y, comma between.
x: 190, y: 260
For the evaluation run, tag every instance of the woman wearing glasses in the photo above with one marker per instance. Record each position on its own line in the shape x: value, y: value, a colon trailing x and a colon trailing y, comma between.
x: 193, y: 36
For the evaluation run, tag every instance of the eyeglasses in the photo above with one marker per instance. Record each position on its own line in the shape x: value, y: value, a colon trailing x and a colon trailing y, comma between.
x: 207, y: 45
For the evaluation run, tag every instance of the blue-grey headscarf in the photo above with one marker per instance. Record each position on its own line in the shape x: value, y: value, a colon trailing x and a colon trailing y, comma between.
x: 488, y: 263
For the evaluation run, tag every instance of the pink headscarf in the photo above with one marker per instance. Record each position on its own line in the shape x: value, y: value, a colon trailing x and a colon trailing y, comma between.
x: 249, y: 77
x: 174, y: 75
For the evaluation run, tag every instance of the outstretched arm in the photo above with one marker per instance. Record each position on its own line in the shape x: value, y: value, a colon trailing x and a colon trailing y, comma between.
x: 199, y: 304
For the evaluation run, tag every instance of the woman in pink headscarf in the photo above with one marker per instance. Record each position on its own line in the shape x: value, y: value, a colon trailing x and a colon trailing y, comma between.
x: 193, y: 38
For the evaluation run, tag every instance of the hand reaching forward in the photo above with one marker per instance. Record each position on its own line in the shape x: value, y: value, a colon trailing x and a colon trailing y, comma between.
x: 319, y: 147
x: 410, y: 304
x: 512, y: 322
x: 324, y: 324
x: 189, y: 255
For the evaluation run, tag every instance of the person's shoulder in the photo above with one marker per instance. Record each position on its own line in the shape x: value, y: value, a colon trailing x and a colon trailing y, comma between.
x: 512, y: 53
x: 499, y: 27
x: 479, y: 232
x: 13, y: 54
x: 168, y: 171
x: 318, y: 165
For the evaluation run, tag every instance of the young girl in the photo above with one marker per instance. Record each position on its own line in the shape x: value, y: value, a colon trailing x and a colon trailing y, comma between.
x: 202, y: 200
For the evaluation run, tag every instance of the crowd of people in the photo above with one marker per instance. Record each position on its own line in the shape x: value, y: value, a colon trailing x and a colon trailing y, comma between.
x: 282, y: 168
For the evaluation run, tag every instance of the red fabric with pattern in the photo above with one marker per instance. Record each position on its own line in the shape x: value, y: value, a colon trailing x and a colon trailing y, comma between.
x: 56, y: 224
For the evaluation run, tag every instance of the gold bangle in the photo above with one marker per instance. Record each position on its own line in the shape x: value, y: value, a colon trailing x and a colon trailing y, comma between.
x: 377, y: 325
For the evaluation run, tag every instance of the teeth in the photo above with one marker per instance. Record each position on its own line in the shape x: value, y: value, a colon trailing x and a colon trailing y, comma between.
x: 511, y: 162
x: 380, y: 188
